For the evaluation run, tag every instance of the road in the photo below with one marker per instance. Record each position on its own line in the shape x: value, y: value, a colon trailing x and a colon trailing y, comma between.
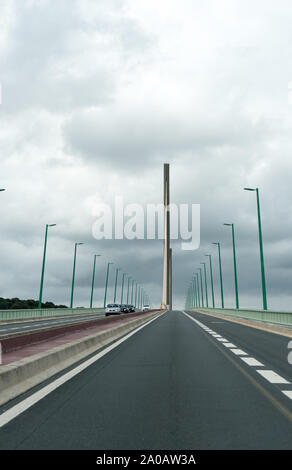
x: 25, y: 326
x: 180, y: 382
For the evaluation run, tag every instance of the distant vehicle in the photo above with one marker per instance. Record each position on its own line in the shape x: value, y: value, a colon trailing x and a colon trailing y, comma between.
x: 125, y: 308
x: 112, y: 309
x: 145, y: 308
x: 131, y: 308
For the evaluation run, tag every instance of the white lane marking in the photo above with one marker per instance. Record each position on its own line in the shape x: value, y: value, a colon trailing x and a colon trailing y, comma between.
x: 269, y: 375
x: 238, y: 352
x: 222, y: 340
x: 272, y: 377
x: 251, y: 361
x: 16, y: 410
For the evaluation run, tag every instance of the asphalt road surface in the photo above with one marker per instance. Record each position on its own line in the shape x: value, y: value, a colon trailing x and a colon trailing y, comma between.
x: 25, y: 326
x: 181, y: 382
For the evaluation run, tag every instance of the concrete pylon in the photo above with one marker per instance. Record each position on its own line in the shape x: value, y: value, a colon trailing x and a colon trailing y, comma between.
x: 165, y: 304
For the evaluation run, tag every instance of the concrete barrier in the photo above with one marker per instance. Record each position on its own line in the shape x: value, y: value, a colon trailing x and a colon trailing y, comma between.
x: 18, y: 377
x: 275, y: 328
x: 269, y: 316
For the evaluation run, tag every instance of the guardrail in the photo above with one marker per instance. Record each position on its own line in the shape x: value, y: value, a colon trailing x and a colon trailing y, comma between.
x: 23, y: 314
x: 269, y: 316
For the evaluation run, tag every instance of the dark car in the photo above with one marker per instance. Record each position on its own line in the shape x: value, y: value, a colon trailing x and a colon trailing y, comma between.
x: 131, y: 308
x: 125, y: 308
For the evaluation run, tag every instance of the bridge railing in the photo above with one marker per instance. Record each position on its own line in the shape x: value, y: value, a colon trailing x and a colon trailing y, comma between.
x: 23, y: 314
x: 269, y: 316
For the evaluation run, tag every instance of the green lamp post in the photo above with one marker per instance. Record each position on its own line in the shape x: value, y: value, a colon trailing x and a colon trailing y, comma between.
x: 106, y: 284
x: 234, y: 264
x: 73, y: 276
x: 220, y: 270
x: 264, y: 291
x: 93, y: 277
x: 211, y: 279
x: 44, y: 262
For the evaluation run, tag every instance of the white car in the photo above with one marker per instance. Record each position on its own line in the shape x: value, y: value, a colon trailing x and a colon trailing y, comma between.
x: 145, y: 308
x: 112, y: 309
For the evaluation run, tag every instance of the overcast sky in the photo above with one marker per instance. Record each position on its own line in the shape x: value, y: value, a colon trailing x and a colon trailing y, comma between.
x: 97, y: 95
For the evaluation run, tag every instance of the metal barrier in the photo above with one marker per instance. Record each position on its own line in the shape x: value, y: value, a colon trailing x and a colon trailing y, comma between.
x: 24, y: 314
x: 269, y: 316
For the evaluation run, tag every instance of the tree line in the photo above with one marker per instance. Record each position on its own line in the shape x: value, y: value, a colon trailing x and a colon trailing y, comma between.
x: 15, y: 304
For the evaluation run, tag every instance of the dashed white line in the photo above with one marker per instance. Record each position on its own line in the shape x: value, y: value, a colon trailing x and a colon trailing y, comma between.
x: 238, y: 352
x: 272, y: 377
x: 251, y: 361
x: 269, y: 375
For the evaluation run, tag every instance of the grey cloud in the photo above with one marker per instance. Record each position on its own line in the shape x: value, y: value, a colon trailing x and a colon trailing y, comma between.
x: 128, y: 138
x: 91, y: 89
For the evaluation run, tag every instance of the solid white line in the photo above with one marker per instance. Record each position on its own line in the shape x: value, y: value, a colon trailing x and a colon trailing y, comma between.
x: 288, y: 393
x: 272, y: 377
x: 37, y: 396
x: 252, y: 362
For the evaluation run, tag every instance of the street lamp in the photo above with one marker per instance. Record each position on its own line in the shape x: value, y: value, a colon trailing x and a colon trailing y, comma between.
x: 93, y: 276
x: 116, y: 281
x: 264, y: 291
x: 198, y: 290
x: 73, y: 277
x: 130, y: 277
x: 106, y: 284
x: 206, y: 287
x: 202, y: 292
x: 44, y: 262
x: 136, y: 294
x: 211, y: 278
x: 132, y: 291
x: 122, y: 293
x: 220, y: 270
x: 194, y: 293
x: 235, y: 268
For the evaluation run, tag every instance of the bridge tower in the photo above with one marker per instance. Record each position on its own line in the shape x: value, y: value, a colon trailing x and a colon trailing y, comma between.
x: 167, y: 252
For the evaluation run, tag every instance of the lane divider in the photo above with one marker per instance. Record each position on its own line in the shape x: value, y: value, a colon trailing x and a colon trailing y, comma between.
x: 269, y: 375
